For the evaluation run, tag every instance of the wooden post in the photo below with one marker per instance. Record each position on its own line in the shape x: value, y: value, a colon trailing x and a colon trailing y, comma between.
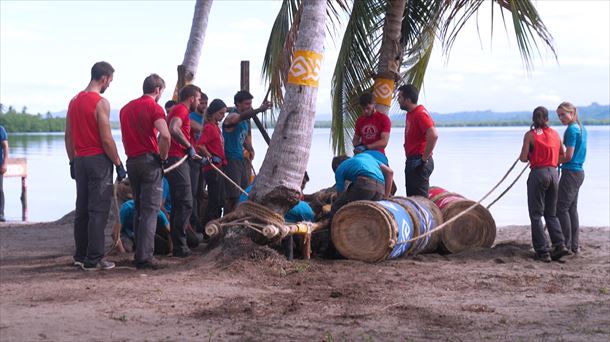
x: 18, y: 167
x: 244, y: 83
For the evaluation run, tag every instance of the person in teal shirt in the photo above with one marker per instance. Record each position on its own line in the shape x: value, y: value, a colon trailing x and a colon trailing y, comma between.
x: 235, y: 129
x: 126, y: 217
x: 572, y: 173
x: 299, y: 213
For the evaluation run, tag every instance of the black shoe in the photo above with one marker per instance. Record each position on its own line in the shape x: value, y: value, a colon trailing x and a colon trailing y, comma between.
x: 542, y: 256
x: 101, y: 265
x: 182, y: 254
x: 153, y: 266
x: 559, y: 252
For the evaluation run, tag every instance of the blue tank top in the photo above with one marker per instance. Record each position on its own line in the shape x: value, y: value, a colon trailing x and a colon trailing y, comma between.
x: 234, y: 140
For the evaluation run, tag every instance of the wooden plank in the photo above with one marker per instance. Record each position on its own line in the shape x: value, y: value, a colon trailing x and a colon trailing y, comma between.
x: 16, y: 167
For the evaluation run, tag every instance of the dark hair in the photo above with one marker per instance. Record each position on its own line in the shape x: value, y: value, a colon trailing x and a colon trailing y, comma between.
x: 365, y: 98
x: 188, y: 91
x: 540, y: 118
x: 152, y: 82
x: 101, y: 69
x: 409, y: 92
x: 215, y: 106
x: 169, y: 104
x: 204, y: 96
x: 337, y: 161
x: 242, y: 96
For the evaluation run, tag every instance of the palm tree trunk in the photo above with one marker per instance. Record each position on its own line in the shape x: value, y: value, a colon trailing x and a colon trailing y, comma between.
x: 188, y: 68
x: 278, y: 185
x: 390, y: 57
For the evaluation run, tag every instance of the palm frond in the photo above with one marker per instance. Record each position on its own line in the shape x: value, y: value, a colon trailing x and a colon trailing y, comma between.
x: 355, y: 66
x: 527, y: 24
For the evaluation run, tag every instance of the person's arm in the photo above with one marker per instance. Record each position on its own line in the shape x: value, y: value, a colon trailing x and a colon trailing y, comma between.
x: 388, y: 177
x: 383, y: 142
x: 431, y: 138
x: 175, y: 132
x: 232, y: 120
x: 102, y: 114
x: 567, y: 155
x: 4, y: 154
x: 196, y: 126
x: 164, y: 137
x: 525, y: 149
x: 248, y: 145
x: 68, y: 140
x: 356, y: 139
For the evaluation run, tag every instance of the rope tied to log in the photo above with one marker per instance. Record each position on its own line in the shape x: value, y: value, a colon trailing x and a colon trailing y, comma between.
x: 446, y: 223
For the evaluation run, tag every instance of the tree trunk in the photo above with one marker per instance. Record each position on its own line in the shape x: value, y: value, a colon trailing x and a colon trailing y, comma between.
x: 390, y: 56
x: 188, y: 68
x: 278, y: 184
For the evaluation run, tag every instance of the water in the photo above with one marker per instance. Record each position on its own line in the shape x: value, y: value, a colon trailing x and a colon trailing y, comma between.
x: 468, y: 160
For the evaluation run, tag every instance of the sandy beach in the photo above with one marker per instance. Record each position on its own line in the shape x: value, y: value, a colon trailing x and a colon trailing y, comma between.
x: 488, y: 294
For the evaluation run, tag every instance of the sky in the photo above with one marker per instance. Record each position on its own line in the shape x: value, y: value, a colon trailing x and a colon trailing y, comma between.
x: 48, y: 47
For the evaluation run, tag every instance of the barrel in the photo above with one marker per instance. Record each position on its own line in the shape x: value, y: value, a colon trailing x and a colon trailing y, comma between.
x: 369, y: 231
x: 476, y: 228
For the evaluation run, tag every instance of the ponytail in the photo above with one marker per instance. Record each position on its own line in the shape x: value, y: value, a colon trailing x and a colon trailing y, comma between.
x: 540, y: 118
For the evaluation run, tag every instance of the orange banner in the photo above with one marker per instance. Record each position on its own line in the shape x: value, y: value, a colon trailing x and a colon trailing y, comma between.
x: 383, y: 90
x: 305, y: 68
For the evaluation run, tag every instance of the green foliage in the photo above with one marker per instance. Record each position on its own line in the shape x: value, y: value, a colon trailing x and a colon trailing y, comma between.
x: 23, y: 122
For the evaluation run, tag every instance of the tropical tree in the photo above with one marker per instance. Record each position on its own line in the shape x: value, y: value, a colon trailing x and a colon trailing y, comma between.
x: 188, y: 68
x: 405, y: 58
x: 278, y: 185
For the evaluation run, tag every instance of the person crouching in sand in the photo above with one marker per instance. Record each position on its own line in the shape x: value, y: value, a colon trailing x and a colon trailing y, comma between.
x: 542, y: 148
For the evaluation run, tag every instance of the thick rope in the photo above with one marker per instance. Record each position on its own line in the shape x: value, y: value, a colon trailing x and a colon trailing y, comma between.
x: 446, y: 224
x: 510, y: 186
x: 118, y: 214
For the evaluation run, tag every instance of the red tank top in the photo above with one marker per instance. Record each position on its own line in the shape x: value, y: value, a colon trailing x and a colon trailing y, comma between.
x: 83, y: 124
x: 546, y: 148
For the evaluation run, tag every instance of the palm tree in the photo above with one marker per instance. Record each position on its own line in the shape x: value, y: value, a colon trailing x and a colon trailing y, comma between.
x: 422, y: 22
x: 278, y: 185
x: 188, y: 68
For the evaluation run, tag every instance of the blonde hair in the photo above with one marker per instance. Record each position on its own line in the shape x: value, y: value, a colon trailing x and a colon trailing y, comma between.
x: 569, y: 107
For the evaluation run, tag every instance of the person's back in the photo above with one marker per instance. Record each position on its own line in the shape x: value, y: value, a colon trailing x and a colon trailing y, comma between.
x: 83, y: 124
x: 575, y: 136
x: 137, y: 126
x: 361, y: 165
x: 546, y: 148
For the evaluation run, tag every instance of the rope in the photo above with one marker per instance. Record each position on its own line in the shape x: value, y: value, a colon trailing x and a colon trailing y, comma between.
x: 229, y: 179
x: 510, y: 186
x: 118, y: 214
x: 446, y: 224
x: 175, y: 165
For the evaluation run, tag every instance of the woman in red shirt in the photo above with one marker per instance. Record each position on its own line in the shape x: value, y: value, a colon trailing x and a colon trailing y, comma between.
x: 542, y: 148
x: 211, y: 146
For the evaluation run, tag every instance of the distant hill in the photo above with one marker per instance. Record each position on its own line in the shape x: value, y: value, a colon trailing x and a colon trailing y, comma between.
x: 114, y: 114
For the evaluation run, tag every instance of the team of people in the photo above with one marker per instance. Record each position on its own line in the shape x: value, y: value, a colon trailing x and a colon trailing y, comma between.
x: 200, y: 132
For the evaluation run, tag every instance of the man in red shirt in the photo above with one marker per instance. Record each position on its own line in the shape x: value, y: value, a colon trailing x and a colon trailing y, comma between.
x: 92, y: 152
x: 372, y: 131
x: 179, y: 179
x: 141, y: 120
x: 420, y: 139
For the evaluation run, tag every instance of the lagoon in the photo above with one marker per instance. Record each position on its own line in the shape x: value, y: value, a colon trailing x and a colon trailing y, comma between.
x: 468, y: 160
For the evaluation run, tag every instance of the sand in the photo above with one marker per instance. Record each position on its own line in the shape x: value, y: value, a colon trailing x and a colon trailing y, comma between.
x: 488, y: 294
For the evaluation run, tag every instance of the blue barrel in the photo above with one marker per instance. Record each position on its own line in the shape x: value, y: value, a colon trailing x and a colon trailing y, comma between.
x: 404, y: 227
x: 426, y: 216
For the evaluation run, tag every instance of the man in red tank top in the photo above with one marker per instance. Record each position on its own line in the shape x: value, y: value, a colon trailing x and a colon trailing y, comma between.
x: 141, y: 120
x: 179, y: 179
x: 420, y: 139
x: 92, y: 152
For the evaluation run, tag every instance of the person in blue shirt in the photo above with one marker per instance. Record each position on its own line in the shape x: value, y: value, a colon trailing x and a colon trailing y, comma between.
x: 572, y: 173
x: 126, y: 217
x: 3, y: 158
x: 299, y: 213
x: 369, y: 179
x: 235, y: 129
